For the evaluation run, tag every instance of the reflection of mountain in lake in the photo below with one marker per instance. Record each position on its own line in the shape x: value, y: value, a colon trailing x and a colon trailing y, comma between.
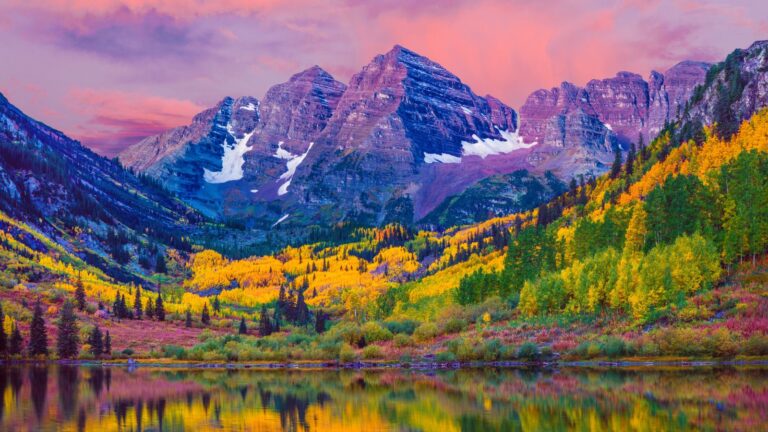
x: 113, y: 399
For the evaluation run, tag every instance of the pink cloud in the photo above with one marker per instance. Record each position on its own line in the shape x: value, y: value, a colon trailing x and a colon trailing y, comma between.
x: 194, y: 50
x: 117, y: 119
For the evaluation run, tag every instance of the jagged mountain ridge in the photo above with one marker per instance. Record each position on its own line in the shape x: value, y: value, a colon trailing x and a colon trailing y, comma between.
x: 402, y: 137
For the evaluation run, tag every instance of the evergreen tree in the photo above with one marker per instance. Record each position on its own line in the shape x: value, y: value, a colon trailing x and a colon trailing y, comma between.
x: 3, y: 336
x: 265, y: 325
x: 616, y: 167
x: 149, y: 310
x: 80, y: 294
x: 160, y: 266
x: 243, y: 329
x: 38, y: 336
x: 188, y: 320
x: 16, y: 342
x: 630, y: 160
x: 96, y: 341
x: 107, y: 344
x: 216, y: 304
x: 68, y: 341
x: 276, y: 317
x: 137, y: 309
x: 302, y: 311
x: 159, y: 308
x: 320, y: 322
x: 205, y: 317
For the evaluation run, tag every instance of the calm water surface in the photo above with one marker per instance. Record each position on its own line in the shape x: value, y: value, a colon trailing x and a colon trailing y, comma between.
x: 73, y: 398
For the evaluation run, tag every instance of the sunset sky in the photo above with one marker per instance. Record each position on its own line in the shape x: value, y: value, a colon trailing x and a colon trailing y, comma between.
x: 109, y: 72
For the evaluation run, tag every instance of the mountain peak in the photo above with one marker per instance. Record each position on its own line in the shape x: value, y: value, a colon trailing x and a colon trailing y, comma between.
x: 311, y: 74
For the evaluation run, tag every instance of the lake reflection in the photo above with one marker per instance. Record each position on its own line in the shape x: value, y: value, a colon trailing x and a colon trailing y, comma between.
x: 74, y: 398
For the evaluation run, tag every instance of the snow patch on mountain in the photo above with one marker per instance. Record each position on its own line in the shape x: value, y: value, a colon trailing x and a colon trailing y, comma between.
x: 483, y: 147
x: 232, y: 161
x: 466, y: 110
x: 293, y: 163
x: 441, y: 158
x: 250, y: 107
x: 284, y: 217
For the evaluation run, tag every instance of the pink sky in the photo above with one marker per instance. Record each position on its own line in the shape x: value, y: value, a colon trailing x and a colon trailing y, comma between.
x: 109, y: 72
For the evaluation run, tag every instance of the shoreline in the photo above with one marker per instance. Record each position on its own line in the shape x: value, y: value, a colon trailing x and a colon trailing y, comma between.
x: 382, y: 365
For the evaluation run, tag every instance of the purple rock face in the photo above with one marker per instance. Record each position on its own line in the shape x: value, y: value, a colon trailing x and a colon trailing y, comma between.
x: 608, y: 113
x: 404, y: 130
x: 399, y: 109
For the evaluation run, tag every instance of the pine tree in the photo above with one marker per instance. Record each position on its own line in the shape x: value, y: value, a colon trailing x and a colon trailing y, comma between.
x: 302, y: 311
x: 160, y: 266
x: 630, y: 160
x: 137, y: 309
x: 216, y: 304
x: 116, y: 307
x: 320, y: 321
x: 16, y: 342
x: 80, y: 294
x: 159, y: 308
x: 96, y: 341
x: 205, y: 317
x: 68, y: 341
x: 38, y: 336
x: 243, y: 328
x: 616, y: 167
x: 276, y: 317
x: 3, y: 336
x: 149, y: 310
x: 188, y: 320
x: 107, y: 344
x: 265, y: 325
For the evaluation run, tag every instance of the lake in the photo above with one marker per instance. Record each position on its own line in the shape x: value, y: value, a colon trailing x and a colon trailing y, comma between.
x: 82, y: 398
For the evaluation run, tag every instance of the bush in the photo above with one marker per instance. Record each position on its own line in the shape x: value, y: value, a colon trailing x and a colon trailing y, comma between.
x: 174, y: 351
x: 455, y: 325
x: 491, y: 350
x: 445, y: 357
x: 127, y: 352
x: 722, y: 343
x: 756, y: 345
x: 375, y: 332
x: 425, y: 332
x: 614, y: 347
x: 402, y: 340
x: 401, y: 327
x: 372, y: 352
x: 528, y: 351
x: 347, y: 354
x: 350, y: 333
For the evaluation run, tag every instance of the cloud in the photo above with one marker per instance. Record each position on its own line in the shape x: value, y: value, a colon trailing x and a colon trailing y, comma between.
x: 202, y: 50
x: 116, y: 119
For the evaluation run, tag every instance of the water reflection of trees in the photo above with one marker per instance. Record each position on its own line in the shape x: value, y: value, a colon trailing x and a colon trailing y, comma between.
x: 481, y: 400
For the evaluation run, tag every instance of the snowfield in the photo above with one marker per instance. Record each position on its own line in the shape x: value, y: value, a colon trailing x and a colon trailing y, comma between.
x: 293, y: 163
x: 232, y: 161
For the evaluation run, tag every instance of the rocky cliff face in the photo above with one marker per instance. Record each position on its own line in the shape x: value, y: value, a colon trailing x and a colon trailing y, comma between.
x: 400, y: 114
x: 400, y: 138
x: 605, y: 115
x: 733, y: 90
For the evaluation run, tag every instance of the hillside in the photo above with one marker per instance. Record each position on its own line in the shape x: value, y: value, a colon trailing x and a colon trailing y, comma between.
x: 664, y: 255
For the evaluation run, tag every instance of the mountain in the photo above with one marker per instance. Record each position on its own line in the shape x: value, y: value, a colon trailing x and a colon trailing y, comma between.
x: 579, y: 128
x: 90, y: 205
x: 733, y: 90
x: 401, y: 138
x: 322, y: 151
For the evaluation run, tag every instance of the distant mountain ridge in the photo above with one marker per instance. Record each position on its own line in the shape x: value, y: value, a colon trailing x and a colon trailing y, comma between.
x: 403, y: 136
